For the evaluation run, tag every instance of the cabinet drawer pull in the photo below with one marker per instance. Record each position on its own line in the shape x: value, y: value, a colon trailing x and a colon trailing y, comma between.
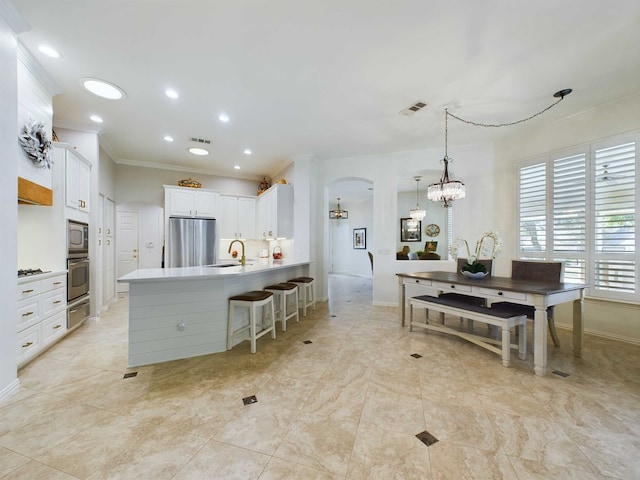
x: 27, y: 291
x: 57, y: 326
x: 453, y: 286
x: 500, y: 293
x: 28, y: 344
x: 57, y: 283
x: 27, y: 314
x: 74, y: 311
x: 417, y: 281
x: 57, y: 301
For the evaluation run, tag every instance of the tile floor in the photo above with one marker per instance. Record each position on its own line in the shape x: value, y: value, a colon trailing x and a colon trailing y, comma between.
x: 348, y: 405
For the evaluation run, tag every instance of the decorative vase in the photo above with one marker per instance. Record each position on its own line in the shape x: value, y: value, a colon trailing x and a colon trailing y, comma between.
x: 476, y: 275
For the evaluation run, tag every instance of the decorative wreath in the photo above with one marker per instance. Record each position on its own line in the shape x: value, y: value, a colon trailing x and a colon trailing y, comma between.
x: 36, y: 144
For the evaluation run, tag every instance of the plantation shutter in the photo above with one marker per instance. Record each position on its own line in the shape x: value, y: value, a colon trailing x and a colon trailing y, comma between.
x: 532, y: 211
x: 569, y: 211
x: 615, y: 218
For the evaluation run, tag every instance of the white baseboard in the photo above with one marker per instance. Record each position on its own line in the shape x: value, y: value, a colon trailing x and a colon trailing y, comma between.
x: 598, y: 333
x: 9, y: 390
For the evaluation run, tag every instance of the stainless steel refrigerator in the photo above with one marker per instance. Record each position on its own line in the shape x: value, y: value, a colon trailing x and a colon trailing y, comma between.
x: 192, y: 242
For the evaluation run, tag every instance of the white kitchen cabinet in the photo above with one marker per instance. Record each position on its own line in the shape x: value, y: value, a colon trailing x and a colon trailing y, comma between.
x: 275, y: 212
x: 190, y: 202
x: 77, y: 177
x: 41, y: 317
x: 237, y: 217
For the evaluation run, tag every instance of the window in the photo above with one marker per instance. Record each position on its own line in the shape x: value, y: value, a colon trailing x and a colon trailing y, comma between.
x: 579, y: 207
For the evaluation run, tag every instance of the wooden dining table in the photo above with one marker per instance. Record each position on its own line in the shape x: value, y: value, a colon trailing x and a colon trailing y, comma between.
x: 504, y: 289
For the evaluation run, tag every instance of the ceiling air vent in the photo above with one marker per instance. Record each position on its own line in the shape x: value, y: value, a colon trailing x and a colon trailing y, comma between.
x: 200, y: 140
x: 412, y: 109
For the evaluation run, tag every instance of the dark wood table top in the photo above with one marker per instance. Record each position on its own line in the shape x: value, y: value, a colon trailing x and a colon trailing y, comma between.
x: 497, y: 283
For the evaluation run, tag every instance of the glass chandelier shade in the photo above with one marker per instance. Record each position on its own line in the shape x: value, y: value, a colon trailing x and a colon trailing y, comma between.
x: 446, y: 190
x: 338, y: 213
x: 417, y: 214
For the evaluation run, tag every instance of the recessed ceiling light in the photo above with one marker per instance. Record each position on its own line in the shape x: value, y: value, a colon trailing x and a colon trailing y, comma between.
x: 237, y: 167
x: 171, y: 93
x: 168, y: 138
x: 198, y: 151
x: 247, y: 151
x: 96, y: 118
x: 224, y: 118
x: 103, y: 89
x: 49, y: 51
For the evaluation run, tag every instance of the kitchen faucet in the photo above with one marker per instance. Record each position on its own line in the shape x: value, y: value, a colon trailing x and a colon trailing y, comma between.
x: 242, y: 259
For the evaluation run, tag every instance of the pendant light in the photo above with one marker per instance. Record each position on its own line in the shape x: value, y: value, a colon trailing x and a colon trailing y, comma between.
x: 447, y: 190
x: 417, y: 214
x: 338, y: 213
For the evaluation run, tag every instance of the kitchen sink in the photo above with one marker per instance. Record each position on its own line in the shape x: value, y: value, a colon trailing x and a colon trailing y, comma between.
x: 225, y: 265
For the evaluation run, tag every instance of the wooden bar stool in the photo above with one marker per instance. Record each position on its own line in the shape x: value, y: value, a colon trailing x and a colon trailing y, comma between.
x: 252, y: 300
x: 307, y: 297
x: 281, y: 292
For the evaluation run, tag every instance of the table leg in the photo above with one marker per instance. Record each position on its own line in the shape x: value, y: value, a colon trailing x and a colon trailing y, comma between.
x: 540, y: 341
x: 401, y: 301
x: 578, y: 329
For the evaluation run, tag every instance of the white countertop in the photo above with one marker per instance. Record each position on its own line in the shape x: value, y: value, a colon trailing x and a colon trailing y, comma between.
x: 40, y: 276
x: 207, y: 272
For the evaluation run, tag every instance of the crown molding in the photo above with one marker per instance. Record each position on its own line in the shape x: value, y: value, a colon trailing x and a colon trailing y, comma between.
x: 29, y: 61
x: 13, y: 17
x: 178, y: 168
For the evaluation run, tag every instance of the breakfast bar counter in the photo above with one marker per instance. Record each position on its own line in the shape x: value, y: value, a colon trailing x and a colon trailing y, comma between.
x: 182, y: 312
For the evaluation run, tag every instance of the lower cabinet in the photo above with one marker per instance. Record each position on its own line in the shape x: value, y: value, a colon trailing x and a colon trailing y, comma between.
x: 42, y: 314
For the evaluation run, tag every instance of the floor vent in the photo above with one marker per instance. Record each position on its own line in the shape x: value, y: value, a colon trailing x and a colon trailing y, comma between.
x: 412, y: 109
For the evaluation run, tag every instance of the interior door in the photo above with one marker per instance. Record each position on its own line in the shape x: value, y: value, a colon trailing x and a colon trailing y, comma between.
x: 127, y: 246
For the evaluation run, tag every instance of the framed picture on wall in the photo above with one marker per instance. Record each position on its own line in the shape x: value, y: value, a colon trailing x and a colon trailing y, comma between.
x: 359, y: 238
x: 409, y: 231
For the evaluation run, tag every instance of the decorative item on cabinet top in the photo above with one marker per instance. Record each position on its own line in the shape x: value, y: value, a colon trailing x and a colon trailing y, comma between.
x: 263, y: 186
x: 189, y: 182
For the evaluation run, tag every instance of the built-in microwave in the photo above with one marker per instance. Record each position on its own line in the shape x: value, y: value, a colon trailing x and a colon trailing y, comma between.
x: 77, y: 239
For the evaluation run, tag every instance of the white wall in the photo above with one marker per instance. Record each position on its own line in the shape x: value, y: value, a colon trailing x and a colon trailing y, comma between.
x: 345, y: 258
x: 435, y: 214
x: 473, y: 164
x: 10, y: 24
x: 106, y: 175
x: 140, y: 184
x: 611, y: 319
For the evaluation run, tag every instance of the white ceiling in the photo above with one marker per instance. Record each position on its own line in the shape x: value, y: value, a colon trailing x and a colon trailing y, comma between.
x: 327, y: 78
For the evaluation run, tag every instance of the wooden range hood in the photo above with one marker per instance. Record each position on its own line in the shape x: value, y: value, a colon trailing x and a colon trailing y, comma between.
x: 33, y: 194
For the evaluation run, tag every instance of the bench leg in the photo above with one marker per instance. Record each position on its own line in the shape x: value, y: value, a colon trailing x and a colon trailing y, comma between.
x: 522, y: 341
x: 506, y: 346
x: 411, y: 317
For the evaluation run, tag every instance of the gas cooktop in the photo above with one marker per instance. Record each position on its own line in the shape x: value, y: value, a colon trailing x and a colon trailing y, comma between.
x: 30, y: 271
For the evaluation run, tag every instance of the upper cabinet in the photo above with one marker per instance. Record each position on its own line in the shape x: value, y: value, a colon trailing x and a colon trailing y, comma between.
x: 237, y: 218
x: 77, y: 179
x: 190, y: 202
x: 275, y: 212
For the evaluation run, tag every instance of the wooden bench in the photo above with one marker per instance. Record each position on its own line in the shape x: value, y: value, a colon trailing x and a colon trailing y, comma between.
x: 503, y: 318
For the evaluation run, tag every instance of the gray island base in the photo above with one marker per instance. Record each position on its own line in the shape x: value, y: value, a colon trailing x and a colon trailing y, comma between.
x: 179, y: 313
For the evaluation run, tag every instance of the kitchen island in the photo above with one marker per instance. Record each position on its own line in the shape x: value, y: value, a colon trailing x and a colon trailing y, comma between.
x: 182, y: 312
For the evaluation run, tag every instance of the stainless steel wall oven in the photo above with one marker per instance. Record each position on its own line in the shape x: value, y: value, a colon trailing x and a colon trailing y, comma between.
x: 77, y: 278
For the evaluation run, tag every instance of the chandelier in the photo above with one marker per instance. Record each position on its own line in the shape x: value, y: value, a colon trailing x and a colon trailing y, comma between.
x: 447, y: 190
x: 338, y: 213
x: 417, y: 214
